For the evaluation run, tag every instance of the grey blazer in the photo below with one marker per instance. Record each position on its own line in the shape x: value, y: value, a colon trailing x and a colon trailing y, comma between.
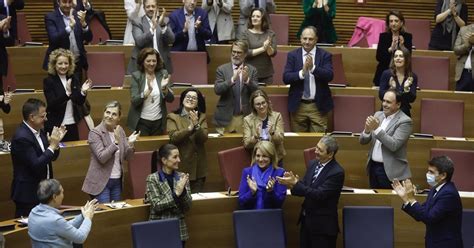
x: 222, y: 16
x: 144, y: 38
x: 394, y: 145
x: 223, y: 88
x: 462, y: 47
x: 245, y: 7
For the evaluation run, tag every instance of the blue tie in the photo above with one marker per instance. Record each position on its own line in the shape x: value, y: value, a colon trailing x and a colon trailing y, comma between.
x: 307, y: 91
x: 317, y: 170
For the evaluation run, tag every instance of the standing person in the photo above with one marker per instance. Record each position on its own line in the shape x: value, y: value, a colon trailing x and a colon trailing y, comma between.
x: 321, y: 188
x: 149, y: 90
x: 259, y: 188
x: 264, y: 124
x: 109, y: 148
x: 220, y: 20
x: 262, y: 45
x: 152, y: 31
x: 5, y: 99
x: 135, y: 11
x: 388, y: 132
x: 246, y: 6
x: 401, y: 78
x: 68, y: 29
x: 9, y: 8
x: 320, y: 14
x: 64, y: 94
x: 463, y: 48
x: 187, y: 128
x: 308, y: 71
x: 235, y: 81
x: 167, y: 190
x: 5, y: 22
x: 48, y: 228
x: 442, y: 210
x: 450, y: 16
x: 32, y: 151
x: 394, y: 37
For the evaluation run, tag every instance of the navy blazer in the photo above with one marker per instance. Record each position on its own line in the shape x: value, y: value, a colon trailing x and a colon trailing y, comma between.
x: 321, y: 197
x: 323, y: 74
x: 57, y: 99
x: 16, y: 5
x: 177, y: 21
x: 442, y: 215
x: 29, y: 164
x: 59, y: 38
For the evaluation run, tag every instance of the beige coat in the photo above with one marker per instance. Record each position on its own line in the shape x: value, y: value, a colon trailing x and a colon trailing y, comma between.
x: 462, y: 47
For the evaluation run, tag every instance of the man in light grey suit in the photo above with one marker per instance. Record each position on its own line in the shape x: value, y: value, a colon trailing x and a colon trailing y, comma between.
x: 220, y: 20
x: 152, y: 31
x: 246, y: 7
x: 235, y: 82
x: 388, y: 131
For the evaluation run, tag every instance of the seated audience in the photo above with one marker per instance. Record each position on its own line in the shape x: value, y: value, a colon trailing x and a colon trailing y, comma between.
x: 450, y: 16
x: 246, y: 6
x: 135, y: 11
x: 262, y: 45
x: 149, y: 89
x: 442, y: 210
x: 64, y: 94
x: 109, y: 148
x: 259, y: 188
x: 48, y: 228
x: 463, y: 48
x: 320, y: 14
x: 393, y: 38
x: 167, y: 190
x: 220, y: 20
x: 264, y: 124
x: 187, y: 128
x: 401, y: 78
x: 235, y: 81
x: 5, y: 99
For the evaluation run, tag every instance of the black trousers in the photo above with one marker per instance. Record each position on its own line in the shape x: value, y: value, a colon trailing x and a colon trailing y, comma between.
x: 465, y: 83
x: 23, y: 209
x: 377, y: 177
x: 311, y: 240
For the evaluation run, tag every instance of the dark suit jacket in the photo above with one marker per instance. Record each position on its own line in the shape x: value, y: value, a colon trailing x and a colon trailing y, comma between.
x: 442, y: 215
x: 407, y: 97
x: 59, y: 38
x: 177, y: 21
x: 3, y: 56
x: 16, y: 5
x: 321, y: 197
x: 29, y: 164
x: 383, y: 56
x: 57, y: 99
x: 323, y: 74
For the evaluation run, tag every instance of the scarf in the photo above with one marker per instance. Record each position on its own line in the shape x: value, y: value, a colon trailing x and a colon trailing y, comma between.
x: 449, y: 24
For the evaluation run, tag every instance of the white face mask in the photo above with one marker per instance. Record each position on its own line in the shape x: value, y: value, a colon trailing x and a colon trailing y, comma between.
x: 431, y: 179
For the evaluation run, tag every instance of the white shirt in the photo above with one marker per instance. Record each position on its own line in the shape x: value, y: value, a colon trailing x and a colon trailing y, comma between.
x: 40, y: 142
x: 468, y: 64
x: 155, y: 41
x: 69, y: 114
x: 117, y: 168
x: 151, y: 105
x: 312, y: 81
x: 377, y: 151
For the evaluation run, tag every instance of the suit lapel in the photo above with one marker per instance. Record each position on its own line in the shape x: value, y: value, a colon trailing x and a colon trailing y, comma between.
x: 299, y: 58
x: 392, y: 123
x: 323, y: 173
x: 317, y: 59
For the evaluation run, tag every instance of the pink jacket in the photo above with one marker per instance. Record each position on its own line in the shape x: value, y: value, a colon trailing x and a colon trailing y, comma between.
x: 368, y: 28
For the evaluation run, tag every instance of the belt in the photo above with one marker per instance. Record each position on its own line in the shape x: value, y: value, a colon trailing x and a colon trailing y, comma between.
x: 468, y: 70
x: 307, y: 101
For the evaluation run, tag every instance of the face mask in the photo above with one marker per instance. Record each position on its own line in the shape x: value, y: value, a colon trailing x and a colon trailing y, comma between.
x: 431, y: 179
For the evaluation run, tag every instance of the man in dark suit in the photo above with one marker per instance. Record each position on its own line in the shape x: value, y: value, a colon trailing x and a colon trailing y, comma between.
x: 308, y: 71
x: 190, y: 26
x: 67, y: 28
x: 152, y: 31
x: 442, y: 211
x: 9, y: 8
x: 4, y: 25
x: 235, y: 82
x: 32, y: 152
x: 321, y: 187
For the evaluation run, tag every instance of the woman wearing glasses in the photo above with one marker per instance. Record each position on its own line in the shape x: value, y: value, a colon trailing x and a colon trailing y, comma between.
x: 187, y: 128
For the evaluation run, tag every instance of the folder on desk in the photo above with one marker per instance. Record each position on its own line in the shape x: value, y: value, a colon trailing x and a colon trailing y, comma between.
x: 101, y: 86
x: 423, y: 135
x: 23, y: 91
x: 177, y: 84
x: 30, y: 43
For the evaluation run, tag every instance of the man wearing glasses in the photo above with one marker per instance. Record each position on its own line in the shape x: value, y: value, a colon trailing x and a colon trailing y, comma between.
x: 32, y: 151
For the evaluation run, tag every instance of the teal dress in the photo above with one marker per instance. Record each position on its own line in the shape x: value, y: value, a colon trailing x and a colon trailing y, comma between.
x: 321, y: 20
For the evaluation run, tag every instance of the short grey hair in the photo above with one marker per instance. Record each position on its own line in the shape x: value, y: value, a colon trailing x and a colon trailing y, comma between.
x: 331, y: 144
x: 114, y: 104
x: 47, y: 189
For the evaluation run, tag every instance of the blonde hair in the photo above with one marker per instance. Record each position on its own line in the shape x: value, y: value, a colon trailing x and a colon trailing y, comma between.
x: 268, y: 149
x: 53, y: 59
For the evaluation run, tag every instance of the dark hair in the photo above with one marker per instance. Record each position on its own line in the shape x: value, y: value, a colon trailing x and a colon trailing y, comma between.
x: 265, y: 25
x: 31, y: 106
x: 114, y: 104
x: 407, y: 58
x: 444, y: 165
x: 263, y: 94
x: 201, y: 104
x: 163, y: 152
x: 330, y: 143
x: 398, y: 95
x: 399, y: 15
x: 47, y: 189
x: 142, y: 56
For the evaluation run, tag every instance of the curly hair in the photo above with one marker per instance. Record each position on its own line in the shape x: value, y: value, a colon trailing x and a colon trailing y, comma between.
x: 142, y: 56
x: 53, y: 59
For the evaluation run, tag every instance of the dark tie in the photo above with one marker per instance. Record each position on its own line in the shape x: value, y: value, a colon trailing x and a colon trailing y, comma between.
x: 317, y: 170
x: 236, y: 88
x: 307, y: 91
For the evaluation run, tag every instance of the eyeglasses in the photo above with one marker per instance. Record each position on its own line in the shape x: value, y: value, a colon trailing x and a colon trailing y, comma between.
x: 191, y: 98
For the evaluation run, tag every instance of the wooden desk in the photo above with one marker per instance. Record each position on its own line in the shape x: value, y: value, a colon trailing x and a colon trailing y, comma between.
x: 210, y: 222
x: 73, y: 162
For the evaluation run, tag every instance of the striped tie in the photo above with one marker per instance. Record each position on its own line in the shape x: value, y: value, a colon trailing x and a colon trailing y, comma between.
x: 317, y: 170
